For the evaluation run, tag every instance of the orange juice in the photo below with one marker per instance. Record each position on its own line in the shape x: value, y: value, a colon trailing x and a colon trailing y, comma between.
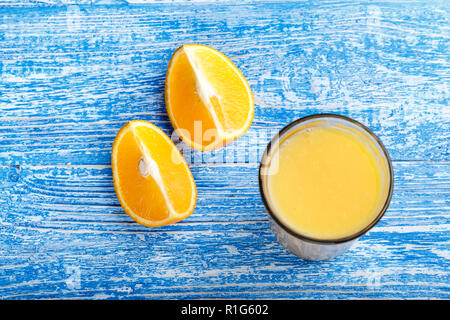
x: 327, y: 181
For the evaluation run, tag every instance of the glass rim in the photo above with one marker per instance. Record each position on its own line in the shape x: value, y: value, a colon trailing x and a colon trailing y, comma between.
x: 296, y: 234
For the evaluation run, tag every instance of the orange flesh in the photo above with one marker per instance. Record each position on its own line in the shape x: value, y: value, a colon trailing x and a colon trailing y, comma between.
x: 178, y: 184
x: 185, y: 101
x: 212, y: 117
x: 228, y: 88
x: 141, y: 194
x: 165, y: 191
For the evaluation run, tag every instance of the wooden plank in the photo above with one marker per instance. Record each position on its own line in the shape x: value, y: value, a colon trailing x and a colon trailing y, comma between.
x: 70, y: 78
x: 64, y: 235
x: 51, y: 196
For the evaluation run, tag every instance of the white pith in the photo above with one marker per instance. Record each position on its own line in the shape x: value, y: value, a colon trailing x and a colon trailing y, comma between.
x: 150, y: 167
x: 227, y: 135
x: 204, y: 89
x: 173, y: 215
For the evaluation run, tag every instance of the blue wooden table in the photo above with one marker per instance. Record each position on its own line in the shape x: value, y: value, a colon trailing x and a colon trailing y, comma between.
x: 72, y: 72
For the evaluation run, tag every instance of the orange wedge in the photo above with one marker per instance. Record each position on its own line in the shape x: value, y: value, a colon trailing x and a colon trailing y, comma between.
x: 152, y: 180
x: 208, y: 100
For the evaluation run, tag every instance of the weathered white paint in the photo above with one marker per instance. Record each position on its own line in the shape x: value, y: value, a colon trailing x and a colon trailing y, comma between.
x: 71, y: 76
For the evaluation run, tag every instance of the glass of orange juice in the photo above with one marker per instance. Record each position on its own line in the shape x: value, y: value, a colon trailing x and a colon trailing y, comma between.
x: 325, y: 180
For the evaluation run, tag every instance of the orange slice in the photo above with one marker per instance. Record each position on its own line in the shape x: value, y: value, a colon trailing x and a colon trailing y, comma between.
x: 208, y: 99
x: 152, y: 180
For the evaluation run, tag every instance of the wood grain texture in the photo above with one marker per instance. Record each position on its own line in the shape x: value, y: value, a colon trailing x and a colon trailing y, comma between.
x: 71, y: 76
